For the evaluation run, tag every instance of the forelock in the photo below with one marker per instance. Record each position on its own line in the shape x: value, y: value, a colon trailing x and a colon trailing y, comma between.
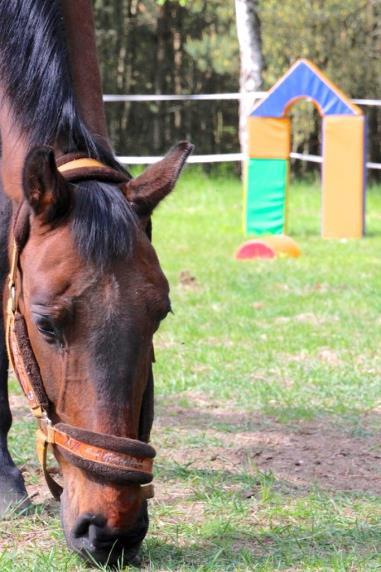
x: 103, y: 224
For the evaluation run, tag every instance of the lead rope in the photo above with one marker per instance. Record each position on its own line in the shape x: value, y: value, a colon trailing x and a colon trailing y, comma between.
x: 42, y: 445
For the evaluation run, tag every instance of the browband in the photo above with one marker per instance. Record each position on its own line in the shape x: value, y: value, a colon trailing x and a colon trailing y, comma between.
x: 85, y: 168
x: 85, y: 162
x: 74, y: 168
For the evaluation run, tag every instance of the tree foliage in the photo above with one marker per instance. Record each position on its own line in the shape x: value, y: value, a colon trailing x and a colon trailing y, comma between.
x: 343, y: 38
x: 180, y: 46
x: 149, y: 48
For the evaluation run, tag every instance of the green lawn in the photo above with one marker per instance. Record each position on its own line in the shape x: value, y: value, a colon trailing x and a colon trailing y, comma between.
x: 268, y: 393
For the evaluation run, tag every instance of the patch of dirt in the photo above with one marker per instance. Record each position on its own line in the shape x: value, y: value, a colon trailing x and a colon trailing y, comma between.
x: 302, y: 455
x: 206, y: 436
x: 188, y: 281
x: 17, y: 402
x: 219, y: 342
x: 36, y: 486
x: 164, y: 343
x: 330, y: 357
x: 39, y: 492
x: 306, y: 318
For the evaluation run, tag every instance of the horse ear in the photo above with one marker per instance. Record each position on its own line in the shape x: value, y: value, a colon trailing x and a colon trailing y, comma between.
x: 155, y: 183
x: 44, y: 187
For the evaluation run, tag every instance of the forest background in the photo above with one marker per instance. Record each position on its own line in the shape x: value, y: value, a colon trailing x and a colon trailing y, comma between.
x: 191, y: 47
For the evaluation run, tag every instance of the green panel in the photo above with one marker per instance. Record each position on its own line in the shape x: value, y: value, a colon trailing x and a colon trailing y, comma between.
x: 266, y: 196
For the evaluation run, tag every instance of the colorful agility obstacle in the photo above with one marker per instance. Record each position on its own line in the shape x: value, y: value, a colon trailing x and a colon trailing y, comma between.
x: 277, y: 245
x: 269, y: 143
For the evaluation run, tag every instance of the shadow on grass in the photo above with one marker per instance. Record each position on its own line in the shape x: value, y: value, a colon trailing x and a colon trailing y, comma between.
x: 331, y: 453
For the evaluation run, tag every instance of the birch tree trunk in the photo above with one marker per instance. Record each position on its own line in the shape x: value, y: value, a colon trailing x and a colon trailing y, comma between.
x: 249, y: 38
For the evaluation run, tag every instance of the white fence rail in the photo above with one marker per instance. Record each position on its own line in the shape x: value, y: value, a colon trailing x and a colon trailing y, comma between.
x: 210, y: 97
x: 189, y: 97
x: 224, y: 157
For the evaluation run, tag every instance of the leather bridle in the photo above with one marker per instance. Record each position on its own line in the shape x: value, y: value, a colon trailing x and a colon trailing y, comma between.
x: 128, y: 461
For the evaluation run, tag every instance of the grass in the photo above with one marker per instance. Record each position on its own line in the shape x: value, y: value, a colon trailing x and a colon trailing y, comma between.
x: 268, y: 399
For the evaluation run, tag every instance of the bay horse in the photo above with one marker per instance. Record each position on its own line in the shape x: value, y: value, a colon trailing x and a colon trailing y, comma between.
x: 85, y: 292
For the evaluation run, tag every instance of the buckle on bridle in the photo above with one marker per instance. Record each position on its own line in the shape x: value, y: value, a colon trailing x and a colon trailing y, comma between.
x: 47, y: 428
x: 12, y: 297
x: 12, y: 302
x: 11, y: 305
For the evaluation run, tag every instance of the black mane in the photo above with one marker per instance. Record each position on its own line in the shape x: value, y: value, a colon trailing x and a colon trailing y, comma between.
x: 103, y: 223
x: 35, y: 76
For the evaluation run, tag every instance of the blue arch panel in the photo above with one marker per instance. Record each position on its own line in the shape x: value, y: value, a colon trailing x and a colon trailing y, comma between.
x: 302, y: 80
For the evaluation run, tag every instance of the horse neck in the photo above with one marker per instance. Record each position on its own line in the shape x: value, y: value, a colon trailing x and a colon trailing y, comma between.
x: 86, y: 81
x: 14, y: 147
x: 80, y: 37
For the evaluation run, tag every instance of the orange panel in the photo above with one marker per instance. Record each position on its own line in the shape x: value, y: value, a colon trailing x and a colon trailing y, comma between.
x: 343, y: 177
x: 269, y: 137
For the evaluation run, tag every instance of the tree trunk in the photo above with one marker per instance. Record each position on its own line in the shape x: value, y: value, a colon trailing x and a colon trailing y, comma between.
x: 249, y: 38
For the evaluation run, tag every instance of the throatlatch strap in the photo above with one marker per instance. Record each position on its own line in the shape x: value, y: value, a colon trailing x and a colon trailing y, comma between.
x: 42, y: 445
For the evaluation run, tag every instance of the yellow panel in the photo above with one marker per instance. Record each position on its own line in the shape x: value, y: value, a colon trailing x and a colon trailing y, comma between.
x: 269, y: 137
x: 343, y: 177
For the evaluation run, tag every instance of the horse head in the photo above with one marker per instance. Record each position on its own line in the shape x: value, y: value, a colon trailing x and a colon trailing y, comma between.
x: 91, y: 293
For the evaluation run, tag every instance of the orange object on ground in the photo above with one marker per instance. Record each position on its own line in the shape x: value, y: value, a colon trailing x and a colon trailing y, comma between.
x: 268, y: 247
x: 254, y: 249
x: 282, y: 245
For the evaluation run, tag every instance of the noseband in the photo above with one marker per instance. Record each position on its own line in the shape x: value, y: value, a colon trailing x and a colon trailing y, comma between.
x: 117, y: 459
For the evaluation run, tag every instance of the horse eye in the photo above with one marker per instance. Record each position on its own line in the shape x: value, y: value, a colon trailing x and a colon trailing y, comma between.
x: 46, y: 327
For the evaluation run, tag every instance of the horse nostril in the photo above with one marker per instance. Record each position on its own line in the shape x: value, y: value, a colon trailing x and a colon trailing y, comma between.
x: 95, y: 541
x: 87, y: 524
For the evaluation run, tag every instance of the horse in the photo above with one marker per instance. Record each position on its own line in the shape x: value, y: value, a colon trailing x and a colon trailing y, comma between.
x: 83, y: 288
